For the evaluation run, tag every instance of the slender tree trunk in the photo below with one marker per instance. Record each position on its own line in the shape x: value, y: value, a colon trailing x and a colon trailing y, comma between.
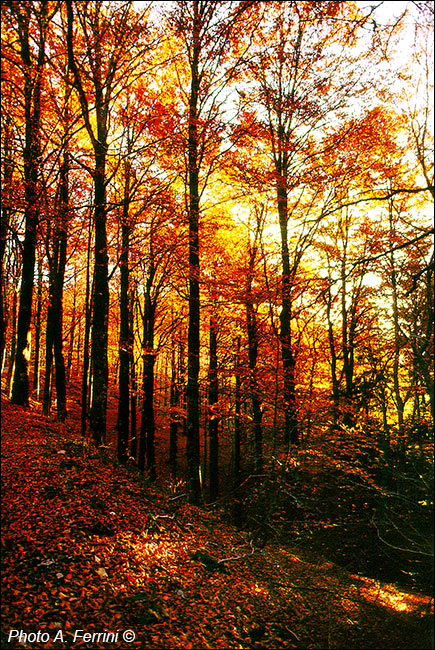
x: 237, y: 419
x: 335, y: 383
x: 192, y: 392
x: 124, y: 329
x: 400, y: 405
x: 54, y: 330
x: 13, y: 338
x: 213, y: 419
x: 37, y: 331
x: 147, y: 430
x: 346, y: 348
x: 59, y: 360
x: 173, y: 417
x: 148, y: 423
x: 31, y: 157
x: 49, y: 336
x: 252, y: 331
x: 86, y: 339
x: 8, y: 170
x: 291, y: 430
x: 257, y: 414
x: 133, y: 392
x: 98, y: 135
x: 100, y: 311
x: 71, y: 337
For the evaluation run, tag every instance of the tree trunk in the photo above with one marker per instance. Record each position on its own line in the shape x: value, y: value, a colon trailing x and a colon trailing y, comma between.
x: 54, y: 331
x: 13, y: 338
x: 257, y: 415
x: 147, y: 432
x: 100, y: 311
x: 213, y: 419
x: 173, y: 417
x: 59, y: 361
x: 8, y: 170
x: 147, y: 429
x: 37, y: 331
x: 237, y: 419
x: 86, y: 339
x: 31, y: 157
x: 335, y: 382
x: 291, y: 431
x: 124, y: 330
x: 192, y: 392
x: 133, y: 392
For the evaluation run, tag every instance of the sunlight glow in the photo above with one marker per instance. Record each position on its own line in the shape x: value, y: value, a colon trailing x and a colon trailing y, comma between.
x: 390, y: 596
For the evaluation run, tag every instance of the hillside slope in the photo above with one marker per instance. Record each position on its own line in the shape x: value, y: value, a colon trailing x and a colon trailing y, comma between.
x: 88, y: 548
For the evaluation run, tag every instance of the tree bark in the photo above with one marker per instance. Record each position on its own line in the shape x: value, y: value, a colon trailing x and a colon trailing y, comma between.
x: 193, y: 341
x: 291, y: 429
x: 54, y: 330
x: 147, y: 429
x: 36, y: 364
x: 213, y: 419
x: 173, y: 417
x: 133, y: 383
x: 252, y: 331
x: 31, y: 157
x: 100, y: 311
x: 8, y: 170
x: 86, y: 339
x: 124, y: 329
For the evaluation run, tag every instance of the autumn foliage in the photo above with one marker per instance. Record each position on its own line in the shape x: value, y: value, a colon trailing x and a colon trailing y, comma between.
x: 217, y: 321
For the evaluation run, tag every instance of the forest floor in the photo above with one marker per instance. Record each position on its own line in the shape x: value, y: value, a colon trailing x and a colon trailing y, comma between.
x: 89, y: 548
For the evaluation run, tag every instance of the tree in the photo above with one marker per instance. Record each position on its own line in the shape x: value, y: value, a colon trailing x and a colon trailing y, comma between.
x: 29, y: 19
x: 213, y: 399
x: 106, y: 36
x: 303, y: 74
x: 207, y: 30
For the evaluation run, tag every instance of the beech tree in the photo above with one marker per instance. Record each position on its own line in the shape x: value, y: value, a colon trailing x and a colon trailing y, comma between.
x: 206, y: 32
x: 305, y: 73
x: 30, y: 21
x: 102, y: 50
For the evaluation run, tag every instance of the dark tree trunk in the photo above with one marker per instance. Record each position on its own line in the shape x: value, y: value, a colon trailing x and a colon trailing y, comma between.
x: 291, y: 431
x: 59, y: 361
x: 237, y: 419
x: 213, y: 419
x: 100, y: 311
x: 71, y: 339
x: 334, y: 379
x: 54, y: 333
x: 124, y: 330
x: 257, y: 415
x: 49, y: 337
x: 98, y: 135
x: 86, y: 339
x: 13, y: 338
x: 173, y: 418
x: 252, y: 331
x: 147, y: 432
x: 31, y: 157
x: 37, y: 331
x: 8, y: 170
x: 192, y: 392
x: 133, y: 392
x: 147, y: 429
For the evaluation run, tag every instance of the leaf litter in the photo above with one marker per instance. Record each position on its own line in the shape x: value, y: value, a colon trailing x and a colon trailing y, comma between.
x: 86, y: 545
